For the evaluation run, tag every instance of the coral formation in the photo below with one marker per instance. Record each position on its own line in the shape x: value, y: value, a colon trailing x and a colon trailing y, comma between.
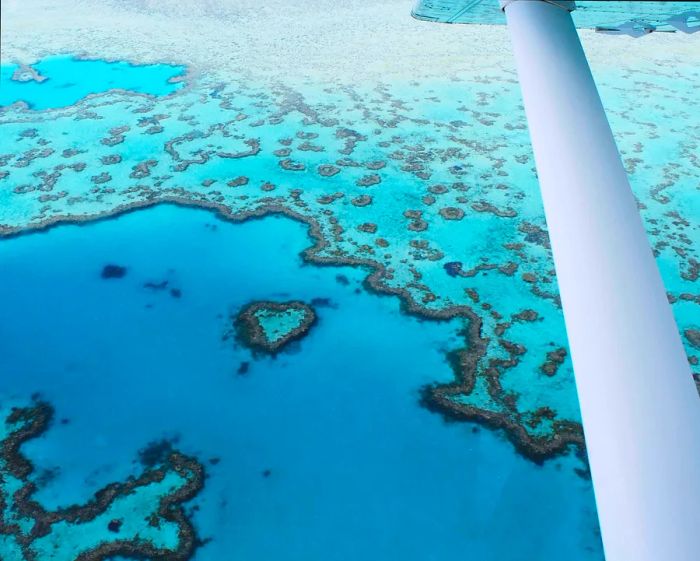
x: 269, y: 327
x: 139, y: 518
x: 468, y: 190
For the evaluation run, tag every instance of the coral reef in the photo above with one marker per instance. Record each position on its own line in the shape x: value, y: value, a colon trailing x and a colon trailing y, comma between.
x: 139, y: 518
x: 269, y: 327
x: 451, y: 191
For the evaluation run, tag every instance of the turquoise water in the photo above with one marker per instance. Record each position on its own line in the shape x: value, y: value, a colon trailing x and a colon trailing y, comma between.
x: 356, y: 468
x: 68, y: 80
x: 123, y: 323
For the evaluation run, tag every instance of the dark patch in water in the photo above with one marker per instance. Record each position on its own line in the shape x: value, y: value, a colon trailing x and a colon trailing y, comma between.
x: 201, y: 542
x: 583, y: 473
x: 156, y: 285
x: 322, y: 303
x: 113, y: 272
x: 243, y: 368
x: 157, y: 451
x: 45, y: 476
x: 453, y: 268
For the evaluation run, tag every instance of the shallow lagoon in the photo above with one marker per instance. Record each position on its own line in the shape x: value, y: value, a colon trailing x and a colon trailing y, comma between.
x: 67, y: 80
x: 356, y: 467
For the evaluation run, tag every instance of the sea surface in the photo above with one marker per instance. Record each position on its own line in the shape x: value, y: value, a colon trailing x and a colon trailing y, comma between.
x: 356, y: 468
x: 202, y: 197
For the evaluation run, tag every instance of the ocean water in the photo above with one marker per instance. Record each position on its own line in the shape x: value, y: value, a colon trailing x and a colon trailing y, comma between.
x: 135, y: 227
x: 66, y: 80
x: 356, y: 468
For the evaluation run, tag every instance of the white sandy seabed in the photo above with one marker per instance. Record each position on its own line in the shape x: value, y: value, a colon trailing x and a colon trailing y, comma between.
x: 358, y: 40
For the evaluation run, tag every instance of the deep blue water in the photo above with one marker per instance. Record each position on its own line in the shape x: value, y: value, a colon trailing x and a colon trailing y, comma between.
x: 69, y: 79
x: 358, y: 470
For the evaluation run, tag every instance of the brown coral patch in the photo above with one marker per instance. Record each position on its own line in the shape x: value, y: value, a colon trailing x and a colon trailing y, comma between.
x: 249, y: 331
x: 554, y: 360
x: 239, y: 181
x: 451, y: 213
x: 291, y: 165
x: 369, y: 180
x: 362, y: 200
x: 328, y: 170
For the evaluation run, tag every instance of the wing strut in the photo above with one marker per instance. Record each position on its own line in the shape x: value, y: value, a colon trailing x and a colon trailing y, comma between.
x: 640, y: 407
